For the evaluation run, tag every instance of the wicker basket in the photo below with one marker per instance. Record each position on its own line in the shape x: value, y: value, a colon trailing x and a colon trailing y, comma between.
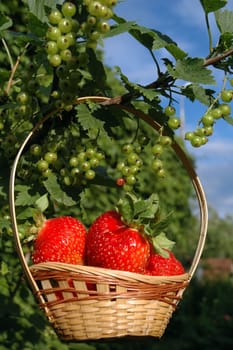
x: 89, y: 303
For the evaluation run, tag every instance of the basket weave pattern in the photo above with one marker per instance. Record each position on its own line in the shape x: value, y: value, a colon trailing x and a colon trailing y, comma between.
x: 83, y: 302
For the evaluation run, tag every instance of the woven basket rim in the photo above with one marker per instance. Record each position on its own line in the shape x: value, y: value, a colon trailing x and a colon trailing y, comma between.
x: 181, y: 155
x: 100, y: 271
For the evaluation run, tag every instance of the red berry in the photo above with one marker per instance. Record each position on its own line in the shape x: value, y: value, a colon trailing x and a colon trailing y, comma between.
x: 111, y: 244
x: 60, y: 239
x: 120, y: 182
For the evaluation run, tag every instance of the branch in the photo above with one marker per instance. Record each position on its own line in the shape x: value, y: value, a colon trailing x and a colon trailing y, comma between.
x: 213, y: 60
x: 158, y: 83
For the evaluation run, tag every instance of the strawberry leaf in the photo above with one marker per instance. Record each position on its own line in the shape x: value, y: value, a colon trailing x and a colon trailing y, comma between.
x: 134, y: 210
x: 125, y: 207
x: 146, y: 209
x: 161, y: 244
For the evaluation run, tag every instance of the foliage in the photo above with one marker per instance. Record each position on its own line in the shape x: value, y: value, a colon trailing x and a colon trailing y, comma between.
x: 41, y: 79
x: 219, y: 238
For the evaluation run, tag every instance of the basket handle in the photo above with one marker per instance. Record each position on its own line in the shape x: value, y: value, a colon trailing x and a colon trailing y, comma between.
x: 182, y: 156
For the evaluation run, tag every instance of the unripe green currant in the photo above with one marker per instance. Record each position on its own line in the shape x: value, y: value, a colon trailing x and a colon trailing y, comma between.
x: 216, y: 113
x: 65, y: 25
x: 157, y: 149
x: 157, y: 164
x: 208, y: 130
x: 226, y: 95
x: 189, y: 135
x: 225, y: 109
x: 55, y: 16
x: 173, y: 123
x: 165, y: 140
x: 169, y: 111
x: 50, y: 157
x: 207, y: 120
x: 42, y: 165
x: 90, y: 174
x: 68, y: 9
x: 196, y: 141
x: 161, y: 172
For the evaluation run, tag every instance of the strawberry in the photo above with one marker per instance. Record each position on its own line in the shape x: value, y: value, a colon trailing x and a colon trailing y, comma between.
x: 60, y: 239
x: 159, y: 265
x: 121, y: 239
x: 114, y: 245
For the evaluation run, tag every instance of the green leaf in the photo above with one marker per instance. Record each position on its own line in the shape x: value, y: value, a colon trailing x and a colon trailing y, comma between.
x: 97, y: 70
x: 201, y: 94
x: 42, y: 203
x: 35, y: 26
x: 229, y: 120
x: 224, y: 20
x: 4, y: 268
x: 95, y: 121
x: 125, y: 207
x: 149, y: 94
x: 24, y: 198
x: 150, y: 38
x: 136, y: 211
x: 147, y: 209
x: 37, y: 7
x: 176, y: 51
x: 92, y: 125
x: 120, y: 28
x: 192, y: 70
x: 5, y: 22
x: 212, y: 5
x: 56, y: 192
x: 161, y: 242
x: 27, y: 213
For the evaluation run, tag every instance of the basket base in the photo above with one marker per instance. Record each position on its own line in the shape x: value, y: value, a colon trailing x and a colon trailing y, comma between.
x: 100, y: 320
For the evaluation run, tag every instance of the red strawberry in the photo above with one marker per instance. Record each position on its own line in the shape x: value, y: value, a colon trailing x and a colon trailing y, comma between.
x: 112, y: 244
x: 60, y: 239
x: 164, y: 266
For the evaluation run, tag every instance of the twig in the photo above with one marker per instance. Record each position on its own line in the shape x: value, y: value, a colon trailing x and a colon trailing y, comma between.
x: 213, y: 60
x: 13, y: 70
x: 157, y: 83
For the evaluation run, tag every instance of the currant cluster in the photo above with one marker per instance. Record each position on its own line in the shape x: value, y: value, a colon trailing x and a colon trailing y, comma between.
x: 157, y: 150
x: 164, y: 141
x: 61, y: 34
x: 74, y: 167
x: 130, y: 166
x: 199, y: 137
x: 70, y: 34
x: 83, y: 165
x: 173, y: 121
x: 96, y: 23
x: 26, y: 103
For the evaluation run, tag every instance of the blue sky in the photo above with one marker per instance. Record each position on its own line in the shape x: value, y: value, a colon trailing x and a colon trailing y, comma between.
x: 183, y: 21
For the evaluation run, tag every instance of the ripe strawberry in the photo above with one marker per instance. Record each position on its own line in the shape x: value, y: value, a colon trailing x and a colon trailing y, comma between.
x: 164, y: 266
x: 60, y: 239
x: 112, y: 244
